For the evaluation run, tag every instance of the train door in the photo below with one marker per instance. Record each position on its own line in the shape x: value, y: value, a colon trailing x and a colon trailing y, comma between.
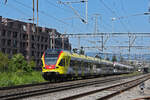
x: 67, y: 62
x: 62, y: 66
x: 94, y: 69
x: 83, y: 64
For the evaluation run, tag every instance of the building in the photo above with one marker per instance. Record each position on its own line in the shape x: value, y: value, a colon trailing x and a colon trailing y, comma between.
x: 21, y: 37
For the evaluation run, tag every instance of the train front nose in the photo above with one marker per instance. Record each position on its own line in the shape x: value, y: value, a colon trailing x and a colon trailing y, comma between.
x: 50, y: 66
x: 50, y: 75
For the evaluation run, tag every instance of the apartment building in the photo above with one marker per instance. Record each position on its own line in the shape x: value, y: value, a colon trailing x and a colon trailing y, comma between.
x: 21, y: 37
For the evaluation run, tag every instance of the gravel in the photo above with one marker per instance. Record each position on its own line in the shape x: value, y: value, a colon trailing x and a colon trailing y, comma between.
x: 134, y: 93
x: 131, y: 94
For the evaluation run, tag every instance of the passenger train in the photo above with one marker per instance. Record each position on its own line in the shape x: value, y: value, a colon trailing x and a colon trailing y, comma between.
x: 61, y: 64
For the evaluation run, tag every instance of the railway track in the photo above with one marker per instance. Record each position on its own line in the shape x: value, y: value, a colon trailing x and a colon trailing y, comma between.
x: 144, y: 98
x: 109, y: 91
x: 39, y: 89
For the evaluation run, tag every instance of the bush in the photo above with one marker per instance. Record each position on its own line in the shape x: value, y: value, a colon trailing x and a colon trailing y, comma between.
x: 18, y: 72
x: 19, y: 64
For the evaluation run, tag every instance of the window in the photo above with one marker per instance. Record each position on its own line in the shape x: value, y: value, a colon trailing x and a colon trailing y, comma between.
x: 33, y: 37
x: 45, y: 47
x: 38, y: 46
x: 32, y: 53
x: 62, y: 62
x: 14, y: 34
x: 3, y: 32
x: 24, y: 52
x: 24, y: 36
x: 11, y: 24
x: 15, y: 43
x: 42, y: 38
x: 38, y: 38
x: 3, y: 41
x: 3, y: 50
x: 24, y: 44
x: 72, y: 63
x: 41, y: 46
x: 46, y: 39
x: 9, y: 42
x: 19, y: 26
x: 9, y: 33
x: 27, y: 44
x: 38, y: 54
x: 33, y: 45
x: 21, y: 45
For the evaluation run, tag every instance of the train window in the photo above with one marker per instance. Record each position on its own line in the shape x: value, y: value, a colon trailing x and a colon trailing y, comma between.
x: 85, y: 64
x: 62, y: 62
x: 72, y: 63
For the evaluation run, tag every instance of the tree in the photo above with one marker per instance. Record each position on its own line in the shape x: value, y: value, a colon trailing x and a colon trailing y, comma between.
x: 3, y: 62
x: 97, y: 56
x: 31, y: 65
x: 107, y: 58
x: 114, y: 58
x: 81, y: 51
x: 75, y: 50
x: 17, y: 63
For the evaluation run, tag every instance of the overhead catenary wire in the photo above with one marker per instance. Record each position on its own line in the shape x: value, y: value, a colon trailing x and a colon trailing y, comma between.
x: 54, y: 5
x: 68, y: 4
x: 124, y: 10
x: 19, y: 11
x: 43, y: 12
x: 114, y: 13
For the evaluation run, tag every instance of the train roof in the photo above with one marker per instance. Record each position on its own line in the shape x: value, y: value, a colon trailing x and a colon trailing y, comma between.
x: 122, y: 65
x: 80, y: 57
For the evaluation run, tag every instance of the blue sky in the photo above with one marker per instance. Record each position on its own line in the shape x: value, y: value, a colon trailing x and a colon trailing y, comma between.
x: 55, y: 15
x: 61, y: 17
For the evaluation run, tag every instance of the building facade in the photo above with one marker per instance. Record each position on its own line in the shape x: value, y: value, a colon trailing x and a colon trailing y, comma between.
x: 21, y: 37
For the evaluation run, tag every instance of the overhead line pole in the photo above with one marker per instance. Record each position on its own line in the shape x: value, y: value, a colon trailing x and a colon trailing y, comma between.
x: 33, y: 14
x: 86, y: 11
x: 37, y: 7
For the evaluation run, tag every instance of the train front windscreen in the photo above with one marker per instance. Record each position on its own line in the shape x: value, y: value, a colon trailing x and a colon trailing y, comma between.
x: 51, y: 57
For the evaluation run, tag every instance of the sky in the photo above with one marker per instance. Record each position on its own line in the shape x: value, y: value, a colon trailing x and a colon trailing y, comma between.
x: 53, y: 14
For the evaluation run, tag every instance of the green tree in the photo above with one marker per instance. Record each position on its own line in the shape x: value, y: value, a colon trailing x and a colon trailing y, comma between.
x: 31, y: 66
x: 3, y: 62
x: 18, y: 63
x: 114, y: 58
x: 107, y: 58
x: 81, y: 51
x: 75, y: 50
x: 97, y: 56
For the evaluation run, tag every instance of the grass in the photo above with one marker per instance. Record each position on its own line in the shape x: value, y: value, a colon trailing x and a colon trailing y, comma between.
x: 8, y: 79
x: 18, y: 78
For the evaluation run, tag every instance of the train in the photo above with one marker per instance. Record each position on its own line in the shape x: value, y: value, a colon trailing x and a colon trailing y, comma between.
x: 60, y: 64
